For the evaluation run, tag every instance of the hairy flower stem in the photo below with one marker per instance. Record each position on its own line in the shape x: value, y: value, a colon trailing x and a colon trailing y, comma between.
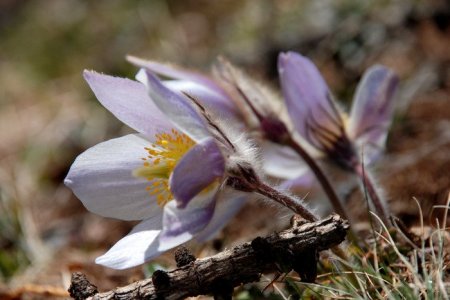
x: 326, y: 185
x: 285, y: 200
x: 379, y: 205
x: 249, y: 182
x: 298, y: 208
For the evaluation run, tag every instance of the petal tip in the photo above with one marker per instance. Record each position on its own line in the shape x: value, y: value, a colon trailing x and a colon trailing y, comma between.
x: 117, y: 263
x: 388, y: 72
x: 89, y: 73
x: 135, y: 60
x: 68, y: 182
x: 122, y: 261
x: 283, y: 59
x: 291, y: 60
x: 289, y: 55
x: 91, y: 76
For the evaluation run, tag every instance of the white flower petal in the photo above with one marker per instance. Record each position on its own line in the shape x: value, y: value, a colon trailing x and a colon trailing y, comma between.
x: 139, y: 246
x: 128, y: 100
x: 101, y: 177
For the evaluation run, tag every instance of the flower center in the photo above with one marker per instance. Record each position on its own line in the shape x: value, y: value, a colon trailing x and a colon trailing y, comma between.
x: 162, y: 158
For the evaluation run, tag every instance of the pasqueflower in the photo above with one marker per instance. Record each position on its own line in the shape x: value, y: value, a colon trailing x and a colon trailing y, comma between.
x: 320, y: 122
x: 170, y: 175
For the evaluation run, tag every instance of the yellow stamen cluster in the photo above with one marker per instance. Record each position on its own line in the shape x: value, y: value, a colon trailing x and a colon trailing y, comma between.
x: 162, y: 158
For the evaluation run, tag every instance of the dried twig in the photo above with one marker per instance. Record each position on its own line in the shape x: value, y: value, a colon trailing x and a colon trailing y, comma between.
x: 295, y: 248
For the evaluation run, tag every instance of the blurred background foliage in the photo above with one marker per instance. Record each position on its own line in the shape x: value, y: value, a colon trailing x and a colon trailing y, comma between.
x: 48, y: 115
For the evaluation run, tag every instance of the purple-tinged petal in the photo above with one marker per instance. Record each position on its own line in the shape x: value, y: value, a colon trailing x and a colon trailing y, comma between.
x: 139, y: 246
x: 227, y: 208
x: 177, y: 108
x: 180, y: 225
x: 372, y: 109
x: 101, y: 177
x: 304, y: 183
x: 281, y: 161
x: 198, y: 168
x: 177, y: 73
x: 214, y: 102
x: 307, y: 98
x: 128, y: 100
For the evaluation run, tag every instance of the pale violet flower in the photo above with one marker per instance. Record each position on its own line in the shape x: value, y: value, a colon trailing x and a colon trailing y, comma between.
x: 320, y: 122
x: 170, y: 175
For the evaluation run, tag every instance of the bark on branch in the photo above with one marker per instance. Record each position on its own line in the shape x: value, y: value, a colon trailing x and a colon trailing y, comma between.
x: 295, y: 248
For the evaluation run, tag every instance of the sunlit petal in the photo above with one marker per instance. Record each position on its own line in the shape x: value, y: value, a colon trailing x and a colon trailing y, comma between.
x: 101, y: 177
x: 139, y: 246
x: 128, y: 100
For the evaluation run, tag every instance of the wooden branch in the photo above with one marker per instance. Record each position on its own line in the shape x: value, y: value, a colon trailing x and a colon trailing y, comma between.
x: 295, y: 248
